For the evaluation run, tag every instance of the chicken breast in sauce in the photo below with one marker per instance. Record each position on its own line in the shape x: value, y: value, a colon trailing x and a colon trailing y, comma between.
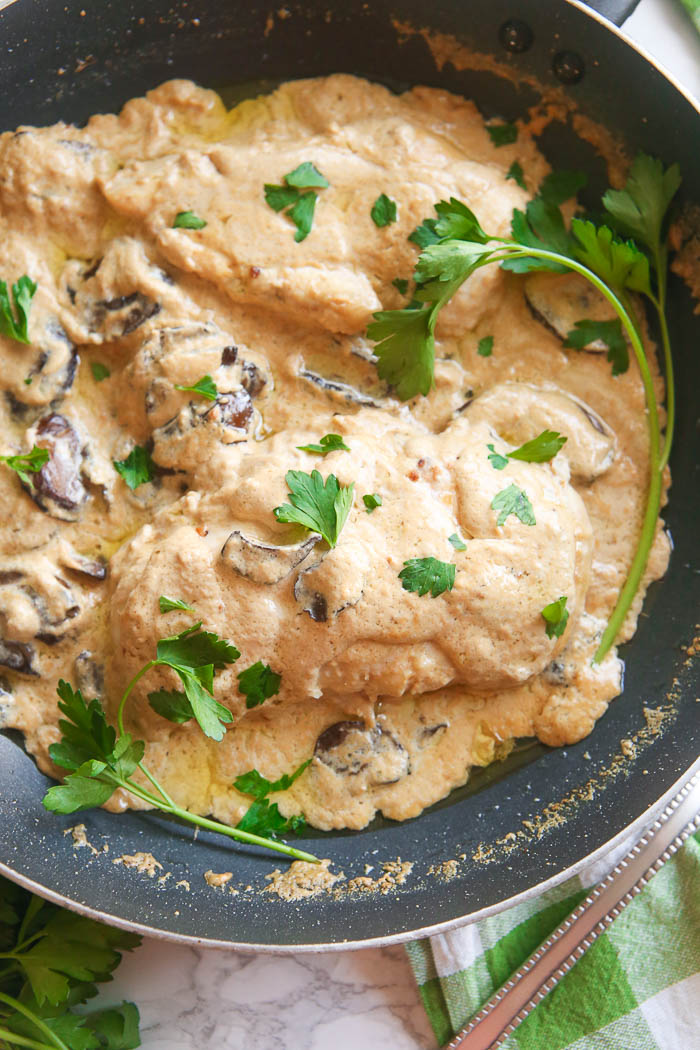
x: 393, y: 696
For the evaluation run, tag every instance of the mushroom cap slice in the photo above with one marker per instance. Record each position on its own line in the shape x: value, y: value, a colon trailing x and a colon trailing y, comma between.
x: 57, y: 488
x: 518, y: 412
x: 352, y: 748
x: 264, y: 562
x: 558, y: 301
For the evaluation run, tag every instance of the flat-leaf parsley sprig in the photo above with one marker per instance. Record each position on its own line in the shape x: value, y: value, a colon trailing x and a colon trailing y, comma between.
x: 50, y: 962
x: 100, y: 760
x: 455, y: 246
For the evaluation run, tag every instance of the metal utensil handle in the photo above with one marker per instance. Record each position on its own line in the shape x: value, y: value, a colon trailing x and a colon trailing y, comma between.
x: 511, y: 1004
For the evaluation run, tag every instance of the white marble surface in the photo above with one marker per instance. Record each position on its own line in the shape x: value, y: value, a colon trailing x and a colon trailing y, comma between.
x: 192, y: 999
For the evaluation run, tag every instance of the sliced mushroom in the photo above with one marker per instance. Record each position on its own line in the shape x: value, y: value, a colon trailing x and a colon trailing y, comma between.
x: 263, y: 562
x: 89, y: 674
x: 228, y: 419
x: 252, y: 379
x: 559, y: 301
x: 52, y: 363
x: 339, y: 389
x: 57, y: 488
x: 35, y: 601
x: 518, y: 412
x: 328, y: 587
x: 79, y: 563
x: 18, y: 656
x: 351, y: 748
x: 427, y: 734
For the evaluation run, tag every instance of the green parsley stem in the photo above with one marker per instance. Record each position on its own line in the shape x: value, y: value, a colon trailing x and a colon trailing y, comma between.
x: 120, y: 721
x: 12, y: 1039
x: 212, y: 825
x: 670, y: 388
x: 54, y: 1041
x: 653, y: 504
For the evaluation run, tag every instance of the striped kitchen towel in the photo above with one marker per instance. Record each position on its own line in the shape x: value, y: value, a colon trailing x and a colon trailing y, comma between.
x: 636, y: 988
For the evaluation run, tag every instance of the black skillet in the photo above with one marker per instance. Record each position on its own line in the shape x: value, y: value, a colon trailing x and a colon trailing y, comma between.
x: 68, y: 59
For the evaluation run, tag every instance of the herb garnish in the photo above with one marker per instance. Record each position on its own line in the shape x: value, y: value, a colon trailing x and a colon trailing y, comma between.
x: 99, y: 371
x: 137, y: 468
x: 258, y: 683
x: 187, y: 220
x: 371, y: 501
x: 513, y: 501
x: 51, y: 961
x: 401, y: 285
x: 541, y: 449
x: 100, y: 760
x: 27, y: 462
x: 328, y: 443
x: 502, y: 134
x: 383, y: 211
x: 263, y: 817
x: 205, y: 387
x: 610, y: 332
x: 300, y: 206
x: 168, y: 604
x: 14, y: 324
x: 455, y: 246
x: 485, y: 347
x: 457, y: 542
x: 319, y: 507
x: 556, y: 617
x: 515, y: 172
x: 427, y: 574
x: 497, y: 461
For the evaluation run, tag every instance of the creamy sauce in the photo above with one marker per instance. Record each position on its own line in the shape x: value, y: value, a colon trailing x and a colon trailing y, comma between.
x: 395, y: 696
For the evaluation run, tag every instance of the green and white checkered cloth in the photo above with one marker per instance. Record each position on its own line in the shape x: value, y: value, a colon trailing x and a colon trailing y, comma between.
x: 636, y: 988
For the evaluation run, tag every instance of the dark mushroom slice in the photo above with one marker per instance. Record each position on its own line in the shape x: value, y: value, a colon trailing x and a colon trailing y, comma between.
x: 559, y: 301
x: 253, y: 380
x: 89, y: 674
x: 337, y: 388
x: 264, y: 562
x: 323, y: 593
x: 92, y: 567
x: 352, y: 748
x: 57, y: 488
x: 31, y: 587
x: 232, y: 411
x: 427, y: 734
x: 51, y: 369
x: 18, y: 656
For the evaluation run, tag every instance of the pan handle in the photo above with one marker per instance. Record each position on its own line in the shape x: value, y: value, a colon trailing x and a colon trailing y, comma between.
x: 616, y: 10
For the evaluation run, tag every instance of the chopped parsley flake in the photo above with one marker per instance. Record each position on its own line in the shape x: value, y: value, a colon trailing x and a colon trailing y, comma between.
x: 502, y: 134
x: 424, y: 575
x: 457, y: 542
x: 187, y: 220
x: 556, y: 616
x: 328, y: 443
x: 371, y: 501
x: 258, y: 683
x: 383, y: 211
x: 205, y: 387
x: 513, y: 501
x: 137, y: 468
x: 485, y: 347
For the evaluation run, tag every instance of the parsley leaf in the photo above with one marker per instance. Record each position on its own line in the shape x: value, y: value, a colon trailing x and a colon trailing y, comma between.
x: 497, y: 461
x: 262, y: 817
x: 515, y: 172
x: 255, y: 784
x: 620, y: 263
x: 383, y: 211
x: 405, y: 350
x: 319, y: 507
x: 205, y: 386
x: 302, y: 215
x: 425, y: 235
x: 137, y: 468
x: 457, y: 542
x: 424, y: 575
x: 541, y: 225
x: 401, y: 285
x: 328, y: 443
x: 168, y: 604
x: 541, y: 449
x: 306, y: 175
x: 99, y: 371
x: 456, y: 220
x: 187, y: 220
x: 561, y: 186
x: 371, y: 501
x: 485, y: 347
x: 171, y: 704
x: 502, y: 134
x: 258, y: 683
x: 639, y: 209
x: 610, y: 332
x: 556, y: 617
x: 27, y: 462
x: 14, y: 323
x: 280, y: 197
x: 513, y: 501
